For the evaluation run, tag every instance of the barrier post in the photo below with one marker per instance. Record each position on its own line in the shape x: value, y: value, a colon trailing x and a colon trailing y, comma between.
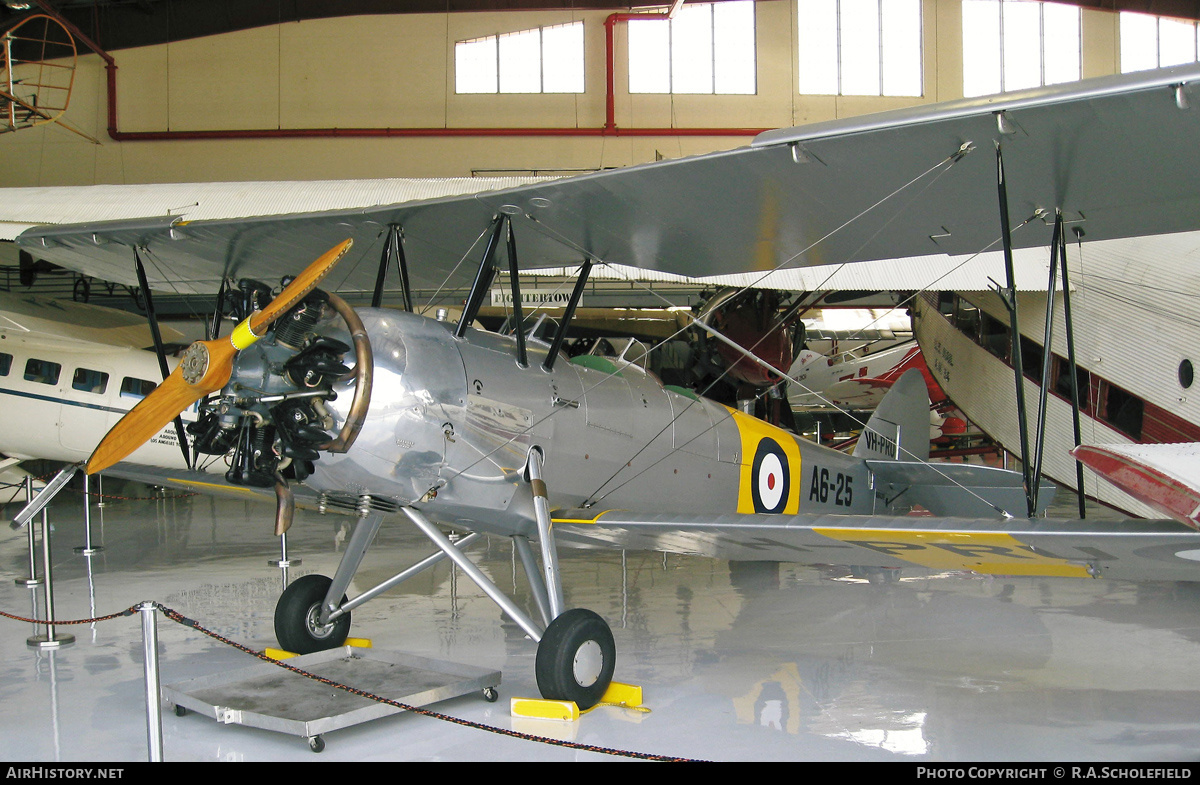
x: 33, y: 579
x: 49, y: 640
x: 87, y: 549
x: 154, y: 741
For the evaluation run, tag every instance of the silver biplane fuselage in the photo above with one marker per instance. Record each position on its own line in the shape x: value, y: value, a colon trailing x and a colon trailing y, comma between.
x: 452, y: 421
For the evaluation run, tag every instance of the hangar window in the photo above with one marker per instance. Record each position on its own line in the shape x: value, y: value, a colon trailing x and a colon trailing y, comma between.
x: 707, y: 48
x: 42, y: 371
x: 136, y: 388
x: 1015, y: 44
x: 860, y: 47
x: 1155, y: 41
x: 540, y: 60
x: 89, y: 381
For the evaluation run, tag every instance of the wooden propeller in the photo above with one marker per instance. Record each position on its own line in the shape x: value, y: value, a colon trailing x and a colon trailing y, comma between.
x: 206, y: 367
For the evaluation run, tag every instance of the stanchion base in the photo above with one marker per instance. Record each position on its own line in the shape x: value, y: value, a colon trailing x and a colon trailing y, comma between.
x: 284, y: 562
x: 83, y: 550
x: 28, y: 581
x: 44, y: 642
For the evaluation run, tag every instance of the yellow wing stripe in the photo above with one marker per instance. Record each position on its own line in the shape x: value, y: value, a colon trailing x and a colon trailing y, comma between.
x: 234, y: 489
x: 991, y: 553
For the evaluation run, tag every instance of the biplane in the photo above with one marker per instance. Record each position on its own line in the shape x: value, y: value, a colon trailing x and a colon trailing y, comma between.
x: 390, y: 415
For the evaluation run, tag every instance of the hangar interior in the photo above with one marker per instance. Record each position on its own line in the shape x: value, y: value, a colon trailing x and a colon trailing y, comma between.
x: 738, y: 661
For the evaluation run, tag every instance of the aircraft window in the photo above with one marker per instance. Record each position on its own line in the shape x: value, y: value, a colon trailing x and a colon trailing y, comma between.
x: 89, y: 381
x: 1123, y: 411
x: 1031, y: 359
x: 966, y: 319
x: 5, y: 364
x: 705, y: 49
x: 994, y: 336
x: 860, y: 47
x: 945, y: 303
x: 42, y: 371
x: 136, y: 388
x: 1062, y: 381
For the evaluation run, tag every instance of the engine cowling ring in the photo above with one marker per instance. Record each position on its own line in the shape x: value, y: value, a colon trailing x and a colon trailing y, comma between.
x: 363, y: 373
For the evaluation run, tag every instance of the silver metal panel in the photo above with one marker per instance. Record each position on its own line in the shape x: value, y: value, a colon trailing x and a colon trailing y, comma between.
x: 1119, y: 151
x: 272, y: 698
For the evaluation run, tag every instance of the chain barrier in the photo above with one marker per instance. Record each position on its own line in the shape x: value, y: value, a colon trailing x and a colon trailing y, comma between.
x: 180, y: 619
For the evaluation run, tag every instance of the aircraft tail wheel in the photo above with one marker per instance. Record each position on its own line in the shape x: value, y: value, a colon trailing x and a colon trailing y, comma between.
x: 296, y: 615
x: 576, y: 658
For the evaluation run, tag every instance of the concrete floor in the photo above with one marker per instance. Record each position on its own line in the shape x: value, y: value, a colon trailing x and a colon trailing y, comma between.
x: 748, y: 662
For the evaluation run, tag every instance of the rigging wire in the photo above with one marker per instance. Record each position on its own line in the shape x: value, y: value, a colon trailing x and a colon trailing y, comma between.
x: 944, y: 164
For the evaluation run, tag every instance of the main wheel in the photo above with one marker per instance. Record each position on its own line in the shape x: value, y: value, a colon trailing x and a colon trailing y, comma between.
x: 296, y: 614
x: 576, y: 658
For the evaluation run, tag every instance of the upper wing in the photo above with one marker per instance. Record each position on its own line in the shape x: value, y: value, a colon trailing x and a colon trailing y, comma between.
x: 1117, y: 154
x: 1129, y: 549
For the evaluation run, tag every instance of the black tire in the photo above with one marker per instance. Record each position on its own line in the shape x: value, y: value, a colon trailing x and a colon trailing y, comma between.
x: 296, y: 614
x: 576, y: 658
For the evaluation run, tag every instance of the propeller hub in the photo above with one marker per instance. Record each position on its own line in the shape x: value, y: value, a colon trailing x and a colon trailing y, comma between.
x: 194, y: 363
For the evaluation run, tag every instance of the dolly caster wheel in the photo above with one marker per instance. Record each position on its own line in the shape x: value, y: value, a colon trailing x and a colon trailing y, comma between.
x: 490, y: 695
x: 316, y: 743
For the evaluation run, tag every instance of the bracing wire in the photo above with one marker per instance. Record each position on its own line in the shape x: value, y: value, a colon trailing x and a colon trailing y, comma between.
x: 945, y: 164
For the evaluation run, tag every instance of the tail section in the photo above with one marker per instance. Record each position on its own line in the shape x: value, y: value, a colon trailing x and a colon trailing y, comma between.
x: 895, y: 444
x: 899, y: 428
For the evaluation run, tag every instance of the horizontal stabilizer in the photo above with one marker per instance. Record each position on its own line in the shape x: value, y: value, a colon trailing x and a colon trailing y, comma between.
x: 1164, y: 476
x: 958, y: 489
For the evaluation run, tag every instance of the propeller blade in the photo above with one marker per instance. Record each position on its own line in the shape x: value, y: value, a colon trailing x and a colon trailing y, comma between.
x: 151, y: 415
x: 299, y: 288
x: 206, y: 367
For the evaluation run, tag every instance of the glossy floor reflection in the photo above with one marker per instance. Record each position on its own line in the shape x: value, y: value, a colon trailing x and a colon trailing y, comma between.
x: 737, y: 662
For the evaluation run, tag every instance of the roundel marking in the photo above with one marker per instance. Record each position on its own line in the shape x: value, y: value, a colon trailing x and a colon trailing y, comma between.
x: 770, y: 479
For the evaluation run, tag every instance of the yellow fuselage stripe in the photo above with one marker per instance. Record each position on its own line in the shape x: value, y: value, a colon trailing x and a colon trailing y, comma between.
x: 753, y: 430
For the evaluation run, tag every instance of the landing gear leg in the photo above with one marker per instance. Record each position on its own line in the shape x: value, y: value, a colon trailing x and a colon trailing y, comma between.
x: 309, y: 616
x: 577, y: 654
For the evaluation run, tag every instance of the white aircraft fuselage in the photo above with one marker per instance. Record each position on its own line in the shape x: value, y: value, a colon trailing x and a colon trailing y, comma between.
x: 61, y: 396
